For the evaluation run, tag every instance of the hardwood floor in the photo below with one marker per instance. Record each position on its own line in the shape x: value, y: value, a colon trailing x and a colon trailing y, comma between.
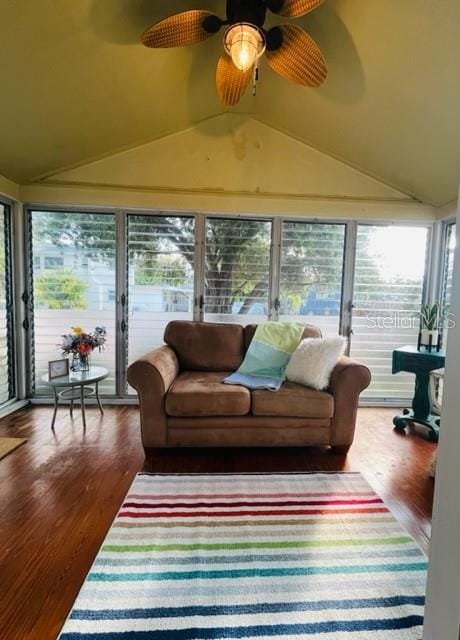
x: 60, y: 492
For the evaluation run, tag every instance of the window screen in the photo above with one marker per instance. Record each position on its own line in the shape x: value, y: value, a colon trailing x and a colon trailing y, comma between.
x: 237, y: 270
x: 388, y: 292
x: 161, y: 258
x: 312, y: 256
x: 7, y: 390
x: 73, y: 273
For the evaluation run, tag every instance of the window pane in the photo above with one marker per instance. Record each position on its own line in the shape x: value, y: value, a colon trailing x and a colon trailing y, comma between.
x: 73, y: 258
x: 54, y: 262
x: 6, y: 311
x: 311, y: 274
x: 388, y: 290
x: 237, y: 270
x: 446, y: 291
x: 161, y: 255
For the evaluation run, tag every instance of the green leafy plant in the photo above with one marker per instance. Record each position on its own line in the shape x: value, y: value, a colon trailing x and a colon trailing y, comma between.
x: 430, y: 317
x: 60, y: 289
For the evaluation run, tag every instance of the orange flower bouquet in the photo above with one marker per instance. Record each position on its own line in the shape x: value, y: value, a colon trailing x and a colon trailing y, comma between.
x: 80, y: 346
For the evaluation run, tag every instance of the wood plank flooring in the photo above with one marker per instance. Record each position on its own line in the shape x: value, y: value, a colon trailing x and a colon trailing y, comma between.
x: 59, y: 494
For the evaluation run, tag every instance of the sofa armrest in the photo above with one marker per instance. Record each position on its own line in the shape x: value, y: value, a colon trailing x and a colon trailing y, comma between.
x: 348, y: 379
x: 151, y: 376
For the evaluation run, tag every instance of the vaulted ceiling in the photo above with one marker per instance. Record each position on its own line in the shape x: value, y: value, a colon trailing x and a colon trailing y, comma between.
x: 77, y: 86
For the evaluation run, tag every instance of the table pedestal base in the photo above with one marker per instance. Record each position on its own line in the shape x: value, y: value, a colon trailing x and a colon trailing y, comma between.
x: 431, y: 422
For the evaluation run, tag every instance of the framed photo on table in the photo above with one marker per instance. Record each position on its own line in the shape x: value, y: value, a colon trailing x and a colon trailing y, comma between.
x: 58, y: 368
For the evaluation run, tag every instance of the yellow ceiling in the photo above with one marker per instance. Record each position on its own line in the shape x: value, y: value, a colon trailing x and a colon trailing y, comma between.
x: 77, y: 86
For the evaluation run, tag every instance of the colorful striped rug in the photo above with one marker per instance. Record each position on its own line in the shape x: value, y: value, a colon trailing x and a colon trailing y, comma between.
x: 198, y: 557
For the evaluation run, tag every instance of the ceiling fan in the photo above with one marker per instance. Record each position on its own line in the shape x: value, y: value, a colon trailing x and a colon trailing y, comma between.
x: 289, y: 50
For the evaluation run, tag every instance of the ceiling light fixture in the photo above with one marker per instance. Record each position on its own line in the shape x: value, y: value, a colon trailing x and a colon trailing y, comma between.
x: 244, y: 43
x: 289, y: 51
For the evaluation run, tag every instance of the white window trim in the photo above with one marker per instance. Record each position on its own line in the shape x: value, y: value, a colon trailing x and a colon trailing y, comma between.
x: 351, y: 225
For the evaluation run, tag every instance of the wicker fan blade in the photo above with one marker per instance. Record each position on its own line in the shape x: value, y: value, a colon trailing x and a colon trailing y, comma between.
x: 299, y: 58
x: 178, y: 30
x: 296, y: 8
x: 231, y: 83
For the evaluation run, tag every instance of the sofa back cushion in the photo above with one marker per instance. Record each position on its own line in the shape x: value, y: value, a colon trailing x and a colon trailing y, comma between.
x: 310, y: 331
x: 205, y: 346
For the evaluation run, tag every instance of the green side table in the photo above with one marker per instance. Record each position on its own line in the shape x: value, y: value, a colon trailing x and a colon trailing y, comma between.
x: 421, y: 363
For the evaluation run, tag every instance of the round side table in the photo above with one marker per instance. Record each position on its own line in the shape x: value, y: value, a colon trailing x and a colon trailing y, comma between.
x: 78, y: 385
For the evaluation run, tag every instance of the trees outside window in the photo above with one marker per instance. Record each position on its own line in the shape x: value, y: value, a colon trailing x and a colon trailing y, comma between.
x: 73, y: 273
x: 74, y: 260
x: 311, y: 273
x: 237, y: 270
x: 161, y: 265
x: 59, y: 289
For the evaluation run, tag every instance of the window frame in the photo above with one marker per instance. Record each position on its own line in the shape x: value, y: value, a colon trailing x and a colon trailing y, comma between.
x: 430, y: 227
x: 200, y: 218
x: 345, y: 301
x: 8, y: 240
x: 123, y: 300
x: 443, y: 260
x: 28, y: 295
x: 271, y: 312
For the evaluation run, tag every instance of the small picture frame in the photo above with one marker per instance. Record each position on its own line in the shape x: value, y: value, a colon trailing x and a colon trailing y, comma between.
x: 58, y: 368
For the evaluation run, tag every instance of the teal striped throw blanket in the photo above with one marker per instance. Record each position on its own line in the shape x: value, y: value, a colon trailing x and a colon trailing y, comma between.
x: 268, y: 355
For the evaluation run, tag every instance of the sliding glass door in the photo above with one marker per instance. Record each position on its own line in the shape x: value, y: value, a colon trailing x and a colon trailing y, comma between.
x: 237, y: 270
x: 161, y: 266
x: 388, y: 292
x: 311, y: 274
x: 7, y: 370
x: 72, y: 284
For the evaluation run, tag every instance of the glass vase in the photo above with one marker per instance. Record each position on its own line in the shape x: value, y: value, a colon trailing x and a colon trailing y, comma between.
x: 79, y: 362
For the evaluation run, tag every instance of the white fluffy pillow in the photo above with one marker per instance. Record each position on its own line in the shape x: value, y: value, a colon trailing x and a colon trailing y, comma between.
x: 312, y: 362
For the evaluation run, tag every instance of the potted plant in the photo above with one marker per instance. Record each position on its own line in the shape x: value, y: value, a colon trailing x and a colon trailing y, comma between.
x: 80, y: 346
x: 429, y: 331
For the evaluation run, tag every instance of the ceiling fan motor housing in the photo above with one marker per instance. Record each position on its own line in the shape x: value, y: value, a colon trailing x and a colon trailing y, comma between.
x: 274, y: 38
x: 212, y: 24
x: 250, y: 11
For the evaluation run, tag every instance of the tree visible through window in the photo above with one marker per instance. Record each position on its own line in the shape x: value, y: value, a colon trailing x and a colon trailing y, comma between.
x: 237, y: 269
x: 311, y: 274
x: 73, y: 274
x: 60, y: 289
x: 161, y: 262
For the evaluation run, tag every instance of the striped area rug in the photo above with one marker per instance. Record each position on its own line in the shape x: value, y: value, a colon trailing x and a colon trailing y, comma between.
x: 198, y: 557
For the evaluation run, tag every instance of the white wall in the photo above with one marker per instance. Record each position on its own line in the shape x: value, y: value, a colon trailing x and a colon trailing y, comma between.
x: 447, y: 211
x: 230, y: 163
x: 443, y: 595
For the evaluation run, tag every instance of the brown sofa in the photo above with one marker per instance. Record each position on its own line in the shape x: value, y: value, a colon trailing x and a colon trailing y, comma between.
x: 184, y: 403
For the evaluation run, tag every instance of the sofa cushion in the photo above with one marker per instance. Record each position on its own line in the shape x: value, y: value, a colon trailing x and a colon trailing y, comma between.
x: 201, y: 393
x: 206, y: 346
x: 314, y: 360
x: 292, y: 400
x: 310, y: 331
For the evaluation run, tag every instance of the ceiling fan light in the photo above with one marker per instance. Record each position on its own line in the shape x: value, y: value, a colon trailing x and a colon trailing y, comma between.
x: 245, y: 43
